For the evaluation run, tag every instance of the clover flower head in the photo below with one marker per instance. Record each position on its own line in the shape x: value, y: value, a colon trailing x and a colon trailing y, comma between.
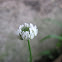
x: 27, y: 31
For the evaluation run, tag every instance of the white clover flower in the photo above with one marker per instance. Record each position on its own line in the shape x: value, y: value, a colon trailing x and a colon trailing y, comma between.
x: 27, y: 31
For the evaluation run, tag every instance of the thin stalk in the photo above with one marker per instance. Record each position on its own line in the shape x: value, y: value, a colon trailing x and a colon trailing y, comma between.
x: 30, y: 51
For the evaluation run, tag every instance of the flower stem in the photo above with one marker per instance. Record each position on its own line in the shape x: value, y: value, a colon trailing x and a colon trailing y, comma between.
x: 30, y: 51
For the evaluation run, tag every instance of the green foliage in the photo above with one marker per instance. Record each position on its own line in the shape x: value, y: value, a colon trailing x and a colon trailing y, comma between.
x: 51, y: 36
x: 54, y: 53
x: 59, y: 44
x: 51, y: 54
x: 47, y: 52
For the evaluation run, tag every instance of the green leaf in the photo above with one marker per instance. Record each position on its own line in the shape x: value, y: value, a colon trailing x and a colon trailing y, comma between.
x: 46, y: 37
x: 51, y: 36
x: 48, y: 52
x: 59, y: 44
x: 51, y: 57
x: 57, y: 37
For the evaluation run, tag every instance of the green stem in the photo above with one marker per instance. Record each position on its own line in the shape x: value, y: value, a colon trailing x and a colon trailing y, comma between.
x: 30, y: 51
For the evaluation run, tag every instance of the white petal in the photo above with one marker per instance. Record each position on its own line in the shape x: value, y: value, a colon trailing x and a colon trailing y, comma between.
x: 31, y: 25
x: 21, y: 26
x: 31, y: 36
x: 27, y: 25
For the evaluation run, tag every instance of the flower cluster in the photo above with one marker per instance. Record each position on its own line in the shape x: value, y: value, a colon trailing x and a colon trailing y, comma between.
x: 27, y: 31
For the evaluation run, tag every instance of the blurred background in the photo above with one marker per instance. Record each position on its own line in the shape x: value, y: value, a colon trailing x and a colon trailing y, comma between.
x: 45, y: 14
